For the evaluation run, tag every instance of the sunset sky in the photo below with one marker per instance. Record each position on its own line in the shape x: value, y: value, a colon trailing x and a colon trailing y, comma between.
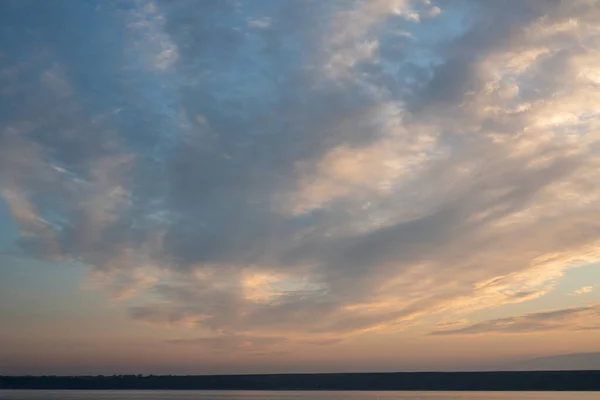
x: 227, y: 186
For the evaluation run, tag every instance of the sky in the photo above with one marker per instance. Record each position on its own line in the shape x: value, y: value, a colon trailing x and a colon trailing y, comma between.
x: 237, y: 186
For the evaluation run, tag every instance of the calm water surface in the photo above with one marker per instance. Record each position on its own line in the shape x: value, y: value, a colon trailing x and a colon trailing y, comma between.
x: 226, y: 395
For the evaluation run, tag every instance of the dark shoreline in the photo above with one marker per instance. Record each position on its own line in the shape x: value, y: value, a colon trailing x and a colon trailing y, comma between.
x: 401, y: 381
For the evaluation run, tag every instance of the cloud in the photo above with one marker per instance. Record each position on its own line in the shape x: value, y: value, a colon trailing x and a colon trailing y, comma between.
x: 304, y: 170
x: 567, y: 319
x: 259, y: 23
x: 583, y: 290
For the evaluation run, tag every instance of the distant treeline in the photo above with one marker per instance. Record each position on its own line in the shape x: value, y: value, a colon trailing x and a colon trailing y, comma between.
x: 518, y: 381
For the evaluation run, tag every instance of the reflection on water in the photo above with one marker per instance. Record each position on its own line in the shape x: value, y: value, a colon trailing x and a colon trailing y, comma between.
x: 226, y: 395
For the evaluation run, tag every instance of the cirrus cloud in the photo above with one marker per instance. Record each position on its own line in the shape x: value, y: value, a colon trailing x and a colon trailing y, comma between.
x: 568, y: 319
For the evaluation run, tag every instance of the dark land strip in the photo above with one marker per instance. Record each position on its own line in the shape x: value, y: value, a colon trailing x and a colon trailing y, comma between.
x: 463, y: 381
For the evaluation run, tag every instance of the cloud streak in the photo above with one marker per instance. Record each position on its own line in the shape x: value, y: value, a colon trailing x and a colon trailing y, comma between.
x: 568, y: 319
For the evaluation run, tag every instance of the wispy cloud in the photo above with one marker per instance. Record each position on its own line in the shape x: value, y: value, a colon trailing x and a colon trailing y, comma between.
x: 567, y: 319
x: 583, y: 290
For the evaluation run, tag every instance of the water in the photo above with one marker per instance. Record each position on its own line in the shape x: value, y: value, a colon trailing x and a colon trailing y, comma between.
x: 239, y: 395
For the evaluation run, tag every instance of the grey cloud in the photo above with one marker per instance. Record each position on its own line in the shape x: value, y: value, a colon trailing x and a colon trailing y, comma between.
x: 262, y: 116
